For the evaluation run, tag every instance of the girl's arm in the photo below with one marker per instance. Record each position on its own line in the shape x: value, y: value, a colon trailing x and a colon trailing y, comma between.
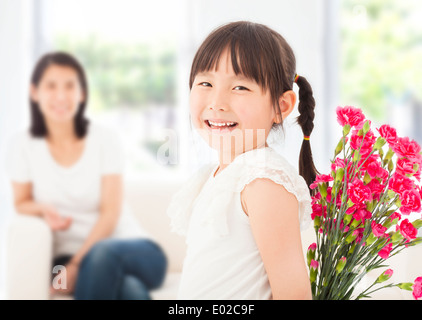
x: 110, y: 207
x: 274, y: 219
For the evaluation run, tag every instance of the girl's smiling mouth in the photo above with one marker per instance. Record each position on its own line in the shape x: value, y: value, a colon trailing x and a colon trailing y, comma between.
x: 220, y: 126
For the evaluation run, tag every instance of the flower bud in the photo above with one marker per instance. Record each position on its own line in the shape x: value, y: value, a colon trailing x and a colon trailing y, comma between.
x: 347, y: 219
x: 366, y: 126
x: 396, y: 237
x: 385, y: 276
x: 346, y: 129
x: 390, y: 165
x: 356, y: 156
x: 367, y: 178
x: 406, y: 286
x: 317, y: 222
x: 417, y: 223
x: 311, y: 253
x: 339, y: 147
x: 340, y: 264
x: 313, y: 270
x: 371, y: 239
x: 379, y: 143
x: 389, y: 154
x: 381, y: 152
x: 351, y: 237
x: 339, y: 174
x: 323, y: 190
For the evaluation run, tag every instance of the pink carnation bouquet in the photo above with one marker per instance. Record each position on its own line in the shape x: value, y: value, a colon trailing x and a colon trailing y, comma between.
x: 361, y: 210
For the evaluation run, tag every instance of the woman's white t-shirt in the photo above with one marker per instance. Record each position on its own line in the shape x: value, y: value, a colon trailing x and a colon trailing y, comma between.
x: 73, y: 191
x: 223, y: 260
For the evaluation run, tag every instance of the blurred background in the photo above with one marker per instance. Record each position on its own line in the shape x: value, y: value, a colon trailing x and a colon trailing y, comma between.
x: 137, y: 55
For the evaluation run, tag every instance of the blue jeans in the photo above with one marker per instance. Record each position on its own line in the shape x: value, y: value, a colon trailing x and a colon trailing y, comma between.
x: 116, y: 269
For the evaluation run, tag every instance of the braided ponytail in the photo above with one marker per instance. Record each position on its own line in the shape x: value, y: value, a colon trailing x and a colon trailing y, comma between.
x: 306, y: 121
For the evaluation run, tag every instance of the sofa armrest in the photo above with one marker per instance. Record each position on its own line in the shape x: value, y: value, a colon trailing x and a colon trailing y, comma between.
x: 29, y: 256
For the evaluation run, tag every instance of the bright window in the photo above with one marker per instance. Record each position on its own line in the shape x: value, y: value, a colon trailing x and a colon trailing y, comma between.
x: 130, y: 53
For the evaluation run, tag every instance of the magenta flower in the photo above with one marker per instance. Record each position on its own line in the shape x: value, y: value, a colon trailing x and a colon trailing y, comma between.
x: 376, y: 188
x: 320, y: 179
x: 362, y: 214
x: 404, y: 166
x: 385, y: 252
x: 358, y: 192
x: 363, y: 144
x: 408, y: 230
x: 349, y: 115
x: 388, y: 133
x: 400, y: 183
x: 377, y: 229
x: 410, y: 201
x: 408, y: 148
x: 417, y: 288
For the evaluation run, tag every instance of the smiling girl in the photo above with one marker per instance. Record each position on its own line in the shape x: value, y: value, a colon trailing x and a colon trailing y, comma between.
x: 242, y: 216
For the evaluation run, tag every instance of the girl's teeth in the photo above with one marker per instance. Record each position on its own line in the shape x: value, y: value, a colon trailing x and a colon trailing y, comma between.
x: 220, y: 124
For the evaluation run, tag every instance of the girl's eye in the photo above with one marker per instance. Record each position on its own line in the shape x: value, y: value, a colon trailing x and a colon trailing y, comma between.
x: 205, y: 84
x: 240, y: 88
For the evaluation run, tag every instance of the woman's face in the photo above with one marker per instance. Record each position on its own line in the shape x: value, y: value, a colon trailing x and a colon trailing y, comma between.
x: 58, y: 93
x: 231, y: 112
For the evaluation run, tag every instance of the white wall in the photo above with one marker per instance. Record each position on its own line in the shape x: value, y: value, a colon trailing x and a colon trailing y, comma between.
x: 15, y: 60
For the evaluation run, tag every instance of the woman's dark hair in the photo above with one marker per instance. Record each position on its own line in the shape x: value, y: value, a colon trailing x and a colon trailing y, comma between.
x: 263, y: 55
x: 37, y: 126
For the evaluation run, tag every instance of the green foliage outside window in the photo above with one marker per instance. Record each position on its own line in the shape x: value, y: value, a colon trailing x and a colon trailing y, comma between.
x: 381, y: 54
x: 125, y: 74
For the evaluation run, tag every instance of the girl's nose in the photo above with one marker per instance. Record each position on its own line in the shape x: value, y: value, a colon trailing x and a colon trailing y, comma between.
x: 219, y: 102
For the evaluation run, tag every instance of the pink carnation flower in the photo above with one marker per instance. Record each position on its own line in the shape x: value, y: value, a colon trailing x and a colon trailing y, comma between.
x: 358, y: 192
x: 417, y: 288
x: 410, y: 201
x: 378, y: 229
x: 400, y: 183
x: 404, y: 166
x: 349, y: 115
x: 321, y: 178
x: 385, y: 252
x: 408, y: 148
x: 388, y: 133
x: 408, y: 230
x: 376, y: 187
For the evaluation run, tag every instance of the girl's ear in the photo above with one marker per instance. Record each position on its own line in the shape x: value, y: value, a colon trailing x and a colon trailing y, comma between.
x: 286, y: 102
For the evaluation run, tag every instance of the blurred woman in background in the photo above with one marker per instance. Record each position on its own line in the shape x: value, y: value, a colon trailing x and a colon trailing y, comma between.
x: 68, y: 171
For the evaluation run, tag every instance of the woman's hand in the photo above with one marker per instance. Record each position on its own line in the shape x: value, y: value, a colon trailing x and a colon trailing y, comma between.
x: 54, y: 219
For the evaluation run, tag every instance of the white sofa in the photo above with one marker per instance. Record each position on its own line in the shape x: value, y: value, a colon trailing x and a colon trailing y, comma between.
x: 28, y: 275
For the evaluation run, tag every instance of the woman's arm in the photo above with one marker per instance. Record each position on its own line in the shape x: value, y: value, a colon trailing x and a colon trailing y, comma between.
x: 274, y: 219
x: 110, y: 207
x: 25, y: 204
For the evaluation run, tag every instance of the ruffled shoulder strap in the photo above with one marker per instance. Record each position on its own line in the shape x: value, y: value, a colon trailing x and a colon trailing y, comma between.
x: 180, y: 206
x: 267, y: 163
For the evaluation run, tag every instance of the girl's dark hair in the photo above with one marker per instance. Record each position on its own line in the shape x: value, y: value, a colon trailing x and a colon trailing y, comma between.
x: 37, y: 126
x: 263, y: 55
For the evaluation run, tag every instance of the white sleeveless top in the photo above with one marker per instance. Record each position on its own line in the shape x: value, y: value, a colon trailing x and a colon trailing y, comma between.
x: 223, y: 260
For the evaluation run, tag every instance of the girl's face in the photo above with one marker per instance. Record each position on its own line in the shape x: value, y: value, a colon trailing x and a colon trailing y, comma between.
x: 58, y: 93
x: 231, y: 112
